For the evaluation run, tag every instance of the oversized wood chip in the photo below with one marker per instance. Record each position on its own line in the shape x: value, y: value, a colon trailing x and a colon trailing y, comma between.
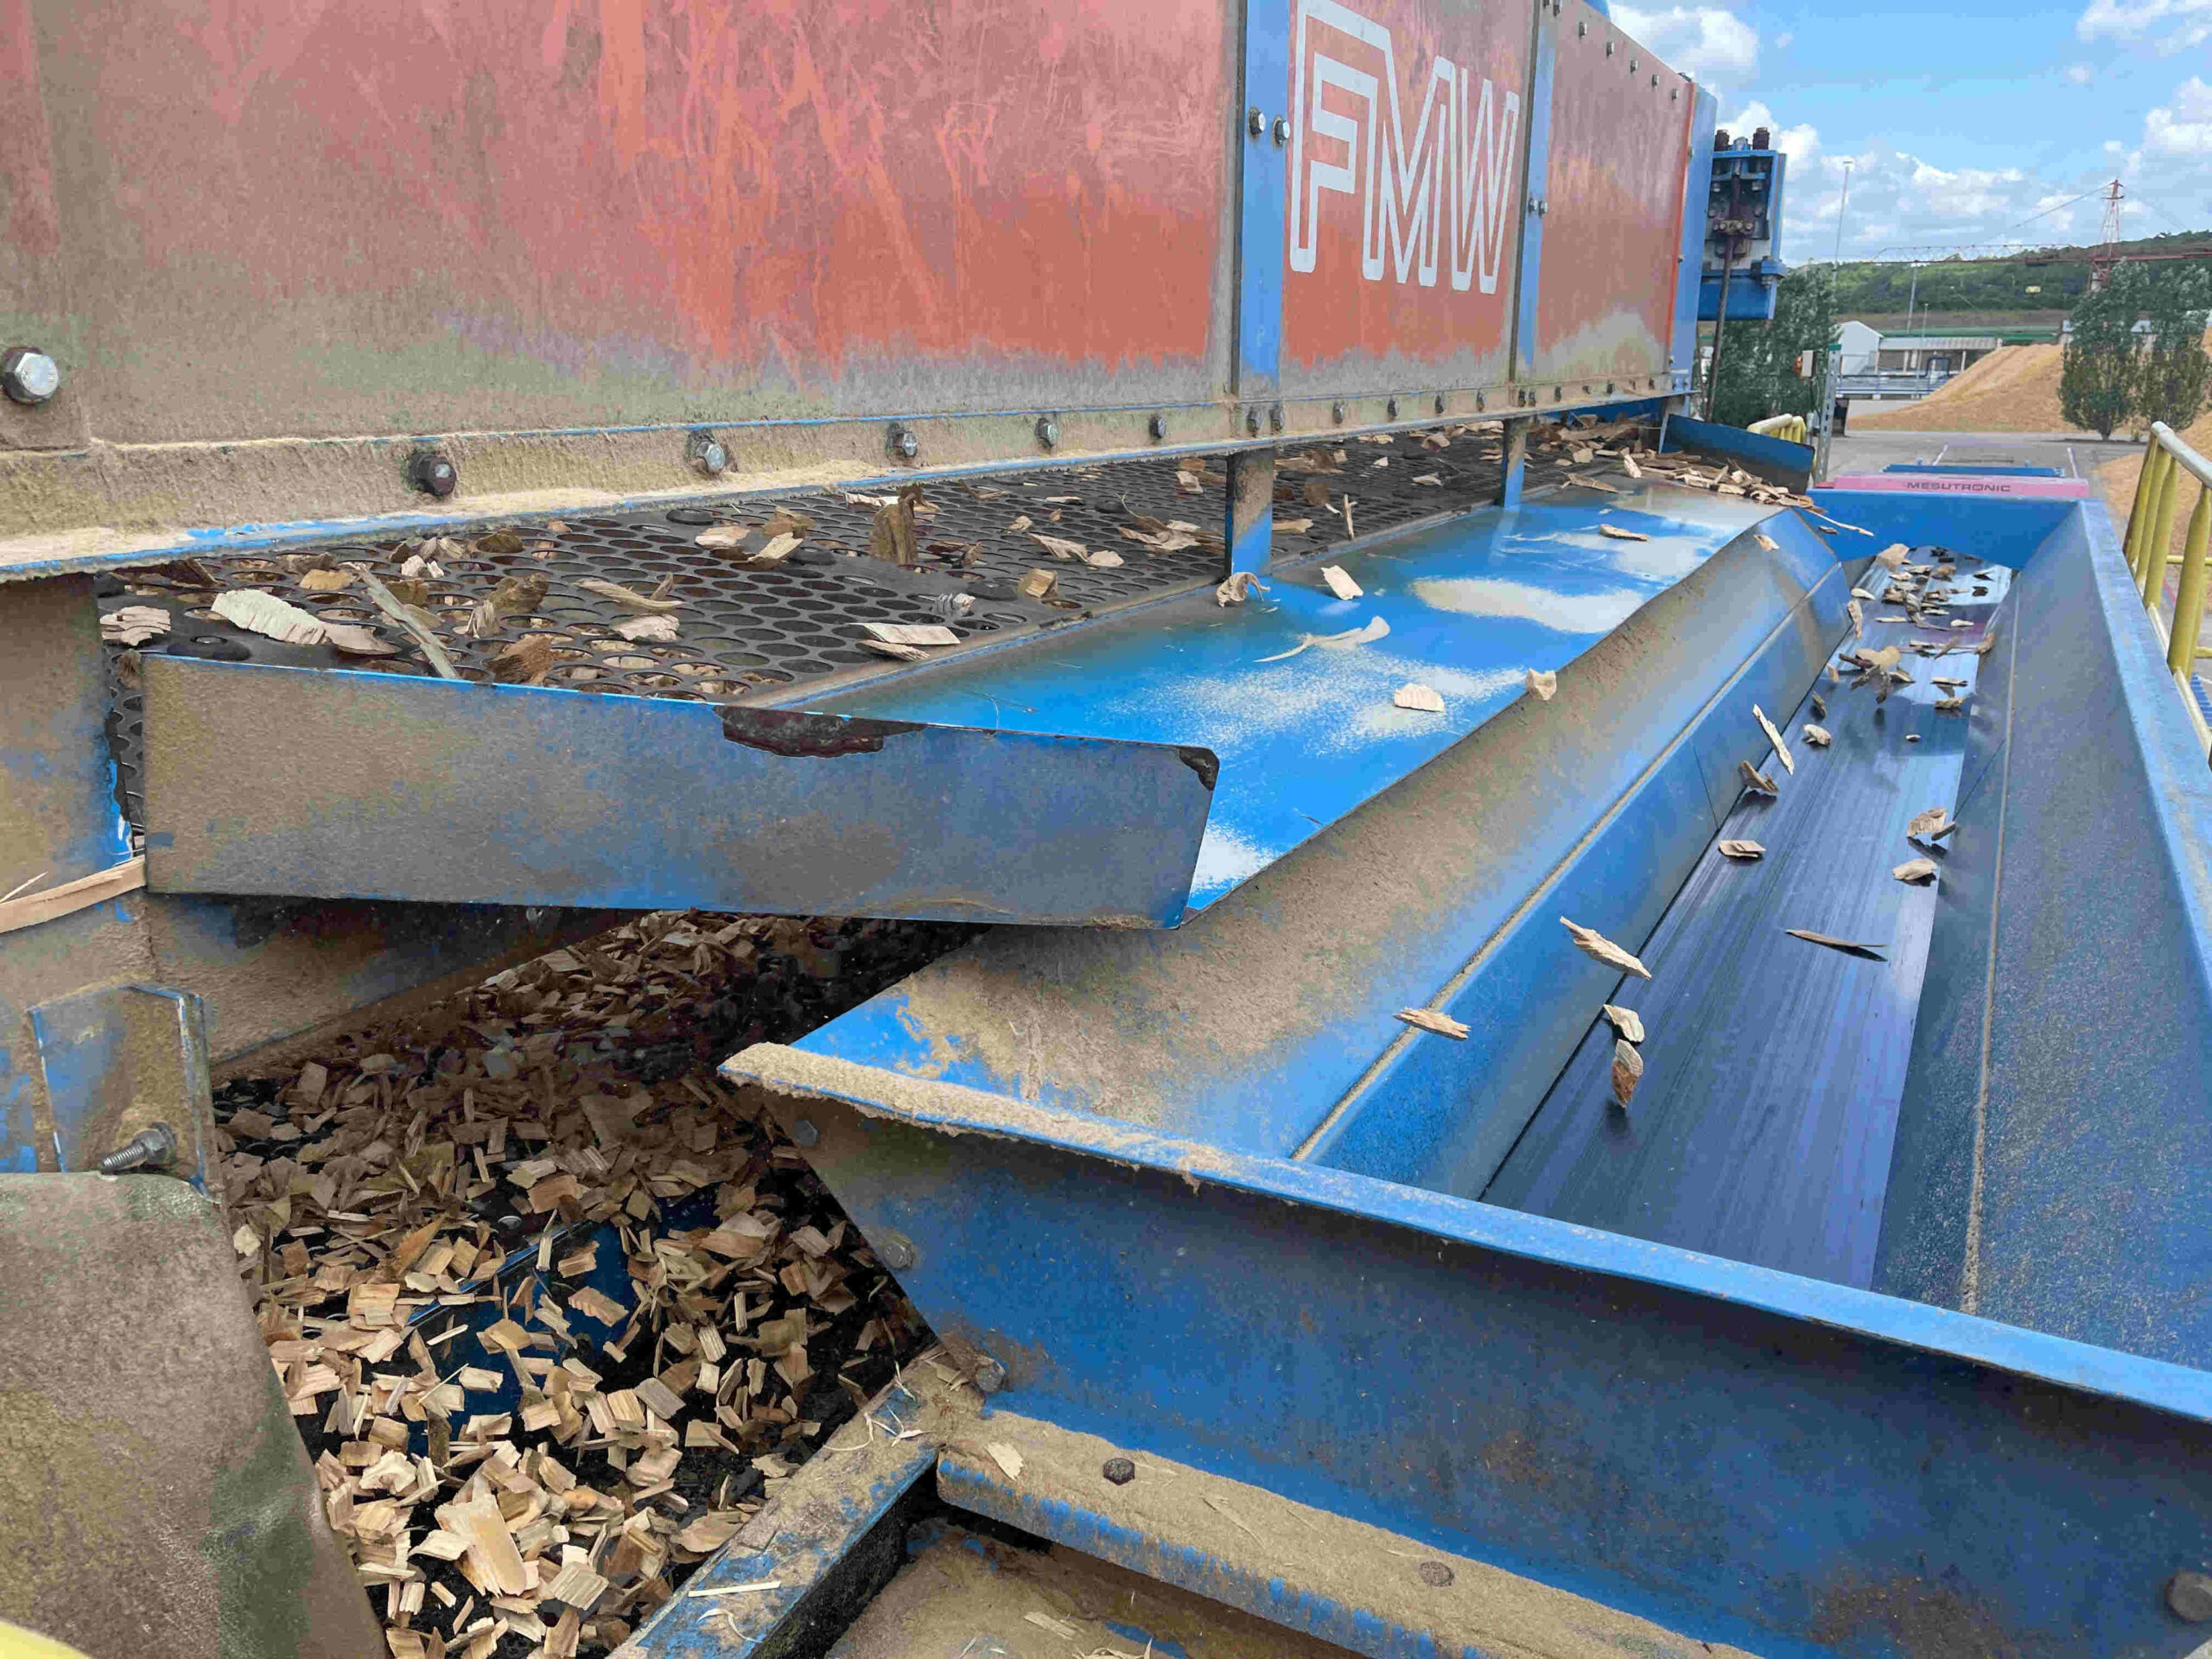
x: 1620, y: 535
x: 1293, y: 526
x: 264, y: 613
x: 776, y: 549
x: 351, y: 639
x: 514, y: 596
x: 1189, y: 483
x: 1104, y: 559
x: 889, y: 648
x: 1040, y: 583
x: 491, y: 1548
x: 1543, y: 682
x: 1755, y: 780
x: 1849, y: 947
x: 1818, y: 736
x: 648, y: 627
x: 1628, y: 1072
x: 1598, y: 946
x: 1745, y: 850
x: 1627, y: 1021
x: 1376, y: 628
x: 1237, y: 588
x: 1774, y: 737
x: 134, y: 624
x: 1860, y: 593
x: 1340, y: 584
x: 1006, y: 1458
x: 1893, y: 556
x: 1629, y: 465
x: 1950, y: 705
x: 1918, y: 871
x: 1429, y: 1020
x: 1021, y: 522
x: 1425, y: 699
x: 1316, y: 491
x: 912, y: 633
x: 891, y: 533
x: 1059, y: 547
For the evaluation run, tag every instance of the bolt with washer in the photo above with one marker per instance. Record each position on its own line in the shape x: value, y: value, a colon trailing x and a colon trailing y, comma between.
x: 896, y: 1253
x: 1254, y: 123
x: 903, y: 443
x: 433, y: 473
x: 28, y: 375
x: 990, y: 1375
x: 1048, y: 432
x: 1282, y: 132
x: 1157, y: 426
x: 709, y: 454
x: 152, y: 1149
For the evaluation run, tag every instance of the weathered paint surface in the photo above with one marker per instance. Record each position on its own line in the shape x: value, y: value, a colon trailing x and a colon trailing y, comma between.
x: 1409, y: 139
x: 1612, y: 231
x: 308, y: 219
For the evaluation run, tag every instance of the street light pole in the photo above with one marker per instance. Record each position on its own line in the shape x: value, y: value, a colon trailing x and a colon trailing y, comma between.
x: 1839, y: 208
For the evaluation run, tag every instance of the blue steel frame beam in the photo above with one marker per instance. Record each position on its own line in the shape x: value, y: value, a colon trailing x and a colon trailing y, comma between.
x: 1743, y: 1456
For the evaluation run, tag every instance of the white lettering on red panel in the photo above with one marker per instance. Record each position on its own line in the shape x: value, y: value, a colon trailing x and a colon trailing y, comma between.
x: 1452, y: 182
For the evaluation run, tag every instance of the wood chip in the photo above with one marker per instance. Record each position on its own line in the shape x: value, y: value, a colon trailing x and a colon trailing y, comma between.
x: 1781, y: 749
x: 1917, y: 871
x: 1042, y: 584
x: 413, y: 623
x: 1007, y: 1458
x: 1340, y: 584
x: 1626, y: 1022
x: 1376, y: 629
x: 1543, y: 682
x: 1422, y: 698
x: 648, y: 627
x: 1060, y: 547
x: 576, y: 1584
x: 1893, y: 556
x: 1620, y: 535
x: 1849, y: 947
x: 1820, y: 707
x: 491, y: 1546
x: 134, y: 624
x: 887, y: 648
x: 266, y: 614
x: 1058, y: 1627
x: 615, y: 593
x: 1818, y: 736
x: 1858, y: 615
x: 1755, y: 780
x: 912, y: 633
x: 723, y: 537
x: 1766, y: 541
x: 1931, y: 825
x: 1596, y: 944
x: 1629, y: 465
x: 1745, y: 850
x: 1628, y: 1072
x: 1429, y: 1020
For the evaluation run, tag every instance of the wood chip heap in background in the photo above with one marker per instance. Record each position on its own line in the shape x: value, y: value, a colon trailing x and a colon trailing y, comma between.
x: 528, y: 1459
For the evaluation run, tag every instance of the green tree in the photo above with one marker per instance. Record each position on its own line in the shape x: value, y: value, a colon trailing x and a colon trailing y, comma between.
x: 2098, y: 373
x: 1759, y: 361
x: 2171, y: 376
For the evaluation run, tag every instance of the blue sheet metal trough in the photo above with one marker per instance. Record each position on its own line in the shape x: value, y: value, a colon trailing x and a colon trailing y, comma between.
x: 1200, y: 1195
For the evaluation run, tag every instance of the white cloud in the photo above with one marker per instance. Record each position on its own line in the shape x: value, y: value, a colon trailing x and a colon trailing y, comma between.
x: 2166, y: 25
x: 2185, y: 127
x: 1785, y: 40
x: 1709, y: 42
x: 2080, y: 73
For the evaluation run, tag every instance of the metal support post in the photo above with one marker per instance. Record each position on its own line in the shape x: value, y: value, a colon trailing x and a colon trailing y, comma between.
x: 1251, y: 509
x: 2189, y: 603
x: 2162, y: 537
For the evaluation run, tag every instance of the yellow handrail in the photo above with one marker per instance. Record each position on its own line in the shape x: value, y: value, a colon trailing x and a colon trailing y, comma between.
x: 2148, y: 550
x: 1791, y: 427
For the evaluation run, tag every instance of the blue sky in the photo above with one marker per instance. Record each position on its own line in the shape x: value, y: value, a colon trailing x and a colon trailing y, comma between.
x: 1972, y: 124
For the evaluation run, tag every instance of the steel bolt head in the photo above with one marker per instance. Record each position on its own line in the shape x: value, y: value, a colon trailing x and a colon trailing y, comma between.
x: 804, y: 1134
x: 1282, y: 132
x: 28, y: 375
x: 1336, y: 413
x: 1254, y: 123
x: 1120, y: 1471
x: 903, y: 442
x: 1157, y: 426
x: 1391, y: 408
x: 1275, y: 417
x: 990, y: 1375
x: 1048, y: 432
x: 1440, y: 403
x: 714, y: 458
x: 152, y: 1149
x: 433, y: 473
x: 1252, y: 422
x: 2189, y: 1594
x: 896, y: 1253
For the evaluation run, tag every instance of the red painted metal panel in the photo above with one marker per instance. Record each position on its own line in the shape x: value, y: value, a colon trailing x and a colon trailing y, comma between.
x: 302, y: 216
x: 1612, y: 231
x: 1406, y: 157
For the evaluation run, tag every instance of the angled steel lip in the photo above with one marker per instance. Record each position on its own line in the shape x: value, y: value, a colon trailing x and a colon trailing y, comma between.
x: 2162, y: 1386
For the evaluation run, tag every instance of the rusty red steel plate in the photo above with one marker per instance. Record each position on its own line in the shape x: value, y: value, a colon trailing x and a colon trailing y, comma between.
x: 1408, y: 148
x: 1612, y: 231
x: 311, y: 220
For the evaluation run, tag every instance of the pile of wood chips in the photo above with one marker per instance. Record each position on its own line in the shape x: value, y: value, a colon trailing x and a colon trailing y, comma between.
x: 417, y: 1209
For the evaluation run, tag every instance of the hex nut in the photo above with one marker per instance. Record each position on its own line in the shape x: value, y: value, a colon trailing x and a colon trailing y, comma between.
x: 1120, y: 1471
x: 804, y: 1134
x: 990, y: 1375
x: 896, y: 1253
x: 29, y: 376
x: 2189, y: 1594
x: 1275, y: 417
x: 1048, y: 432
x: 1336, y: 413
x: 1391, y: 408
x: 1254, y: 123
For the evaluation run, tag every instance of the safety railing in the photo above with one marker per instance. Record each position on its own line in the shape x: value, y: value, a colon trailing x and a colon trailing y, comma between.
x: 1791, y: 427
x: 2167, y: 461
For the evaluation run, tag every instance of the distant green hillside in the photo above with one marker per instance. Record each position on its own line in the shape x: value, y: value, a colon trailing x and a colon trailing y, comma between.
x: 1994, y: 285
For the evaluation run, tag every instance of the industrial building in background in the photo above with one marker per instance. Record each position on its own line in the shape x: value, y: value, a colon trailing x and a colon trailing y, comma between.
x: 1476, y: 1088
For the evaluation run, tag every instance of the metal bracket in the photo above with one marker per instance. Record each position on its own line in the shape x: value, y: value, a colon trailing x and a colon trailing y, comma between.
x: 119, y: 1059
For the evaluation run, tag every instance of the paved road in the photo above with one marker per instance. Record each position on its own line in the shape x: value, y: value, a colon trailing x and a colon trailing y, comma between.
x: 2073, y: 454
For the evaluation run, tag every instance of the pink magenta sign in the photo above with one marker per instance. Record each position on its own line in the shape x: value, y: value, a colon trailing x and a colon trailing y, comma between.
x: 2062, y: 489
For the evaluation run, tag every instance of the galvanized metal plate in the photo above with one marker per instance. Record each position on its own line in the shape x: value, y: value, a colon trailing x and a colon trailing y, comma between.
x: 1407, y: 140
x: 1612, y: 225
x: 271, y: 780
